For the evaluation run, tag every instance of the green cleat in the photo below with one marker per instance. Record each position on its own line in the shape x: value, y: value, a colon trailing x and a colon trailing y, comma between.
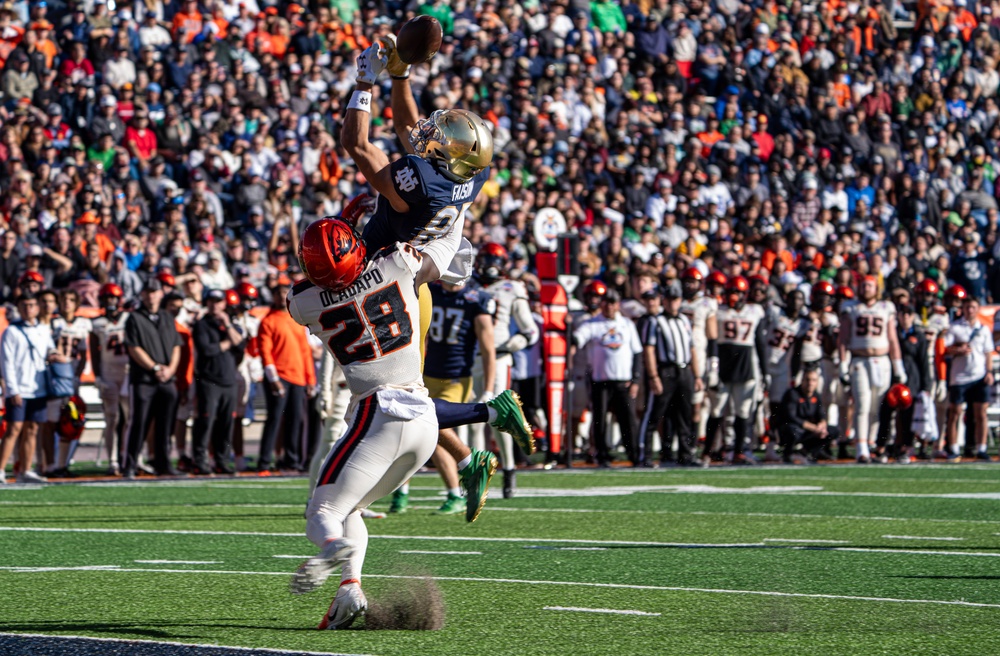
x: 510, y: 419
x: 400, y: 502
x: 476, y: 481
x: 451, y: 506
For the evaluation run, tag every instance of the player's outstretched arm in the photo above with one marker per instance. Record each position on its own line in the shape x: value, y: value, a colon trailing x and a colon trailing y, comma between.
x: 370, y: 160
x: 404, y: 108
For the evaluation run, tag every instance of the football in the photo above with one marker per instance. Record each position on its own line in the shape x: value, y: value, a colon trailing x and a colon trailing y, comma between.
x: 419, y: 39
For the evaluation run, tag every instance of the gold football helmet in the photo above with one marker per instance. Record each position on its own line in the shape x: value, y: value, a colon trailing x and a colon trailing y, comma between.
x: 458, y: 138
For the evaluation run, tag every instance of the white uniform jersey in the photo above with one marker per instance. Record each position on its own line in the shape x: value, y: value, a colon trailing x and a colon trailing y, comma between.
x: 698, y: 310
x: 812, y: 342
x: 782, y: 333
x: 250, y: 368
x: 869, y: 325
x: 72, y: 338
x: 505, y: 292
x: 372, y: 327
x: 936, y: 325
x: 739, y: 327
x: 111, y: 340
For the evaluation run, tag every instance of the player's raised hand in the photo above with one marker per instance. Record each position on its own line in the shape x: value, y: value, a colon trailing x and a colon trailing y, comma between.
x: 398, y: 69
x: 371, y: 62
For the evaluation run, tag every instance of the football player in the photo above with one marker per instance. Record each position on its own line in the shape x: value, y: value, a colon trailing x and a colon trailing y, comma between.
x: 367, y: 313
x: 741, y: 345
x: 109, y: 360
x: 461, y: 327
x: 868, y: 346
x: 512, y: 308
x: 785, y: 330
x: 932, y: 406
x: 250, y: 369
x: 700, y: 309
x: 818, y: 347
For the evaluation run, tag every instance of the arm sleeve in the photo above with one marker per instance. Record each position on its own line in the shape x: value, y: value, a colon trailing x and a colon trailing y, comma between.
x: 204, y: 345
x: 442, y: 251
x: 9, y: 351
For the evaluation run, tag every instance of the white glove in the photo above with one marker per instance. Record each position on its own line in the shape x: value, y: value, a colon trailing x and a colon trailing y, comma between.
x: 513, y: 345
x: 767, y: 381
x: 485, y: 397
x: 398, y: 69
x: 899, y: 371
x: 845, y: 373
x: 712, y: 375
x: 940, y: 391
x: 371, y: 62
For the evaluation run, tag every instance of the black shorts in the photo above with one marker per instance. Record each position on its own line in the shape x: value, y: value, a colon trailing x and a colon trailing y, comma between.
x: 976, y: 392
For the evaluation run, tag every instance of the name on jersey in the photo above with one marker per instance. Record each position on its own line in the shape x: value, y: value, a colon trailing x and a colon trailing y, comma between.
x: 363, y: 284
x: 461, y: 192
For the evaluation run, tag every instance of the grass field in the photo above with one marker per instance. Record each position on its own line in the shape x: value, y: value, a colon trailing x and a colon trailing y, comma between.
x: 819, y: 560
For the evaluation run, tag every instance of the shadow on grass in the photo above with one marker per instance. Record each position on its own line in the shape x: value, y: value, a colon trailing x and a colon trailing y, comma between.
x: 946, y: 578
x: 146, y: 628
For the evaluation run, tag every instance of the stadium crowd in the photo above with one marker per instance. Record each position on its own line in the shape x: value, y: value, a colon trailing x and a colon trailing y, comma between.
x: 164, y: 158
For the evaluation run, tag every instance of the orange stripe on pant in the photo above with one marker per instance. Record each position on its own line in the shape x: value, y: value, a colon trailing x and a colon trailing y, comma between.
x: 343, y: 449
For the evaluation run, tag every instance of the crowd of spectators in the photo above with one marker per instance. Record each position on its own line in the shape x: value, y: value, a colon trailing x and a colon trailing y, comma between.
x: 795, y: 140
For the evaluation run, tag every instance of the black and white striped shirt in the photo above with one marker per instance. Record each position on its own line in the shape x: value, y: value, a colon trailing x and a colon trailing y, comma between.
x: 670, y: 336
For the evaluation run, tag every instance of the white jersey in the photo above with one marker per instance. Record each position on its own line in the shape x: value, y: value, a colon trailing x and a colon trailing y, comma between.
x: 110, y: 337
x: 936, y: 326
x: 739, y: 327
x: 969, y: 368
x: 869, y: 325
x: 372, y: 327
x: 783, y: 331
x: 72, y: 337
x: 250, y: 367
x: 698, y: 310
x: 812, y: 341
x: 506, y: 293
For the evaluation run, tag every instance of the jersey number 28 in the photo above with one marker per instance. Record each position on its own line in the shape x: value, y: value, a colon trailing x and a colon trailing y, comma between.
x: 384, y: 317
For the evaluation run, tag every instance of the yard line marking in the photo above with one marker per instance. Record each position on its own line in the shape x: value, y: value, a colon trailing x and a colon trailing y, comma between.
x: 178, y: 562
x: 465, y: 538
x: 81, y: 568
x: 607, y: 611
x: 292, y: 557
x: 615, y: 586
x: 917, y: 537
x: 794, y: 540
x: 535, y: 546
x: 445, y: 553
x: 192, y: 645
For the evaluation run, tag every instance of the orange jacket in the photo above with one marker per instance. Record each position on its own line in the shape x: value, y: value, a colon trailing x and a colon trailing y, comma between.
x: 185, y: 369
x: 284, y: 344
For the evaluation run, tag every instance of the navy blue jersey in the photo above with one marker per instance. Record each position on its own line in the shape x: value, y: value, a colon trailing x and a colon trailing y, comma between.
x: 435, y: 201
x: 451, y: 341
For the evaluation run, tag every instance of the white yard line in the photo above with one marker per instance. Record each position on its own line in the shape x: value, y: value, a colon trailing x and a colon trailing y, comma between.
x: 534, y: 546
x: 804, y: 541
x: 612, y: 586
x: 255, y: 650
x: 917, y: 537
x: 178, y: 562
x: 445, y: 553
x: 606, y: 611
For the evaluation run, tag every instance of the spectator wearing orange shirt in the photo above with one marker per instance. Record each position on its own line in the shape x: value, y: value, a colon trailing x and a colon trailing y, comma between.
x: 291, y: 377
x: 91, y: 237
x: 965, y: 21
x: 188, y: 20
x: 45, y: 45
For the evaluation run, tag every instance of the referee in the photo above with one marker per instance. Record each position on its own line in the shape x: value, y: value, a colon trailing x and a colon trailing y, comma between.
x: 219, y: 348
x: 670, y: 362
x: 154, y: 350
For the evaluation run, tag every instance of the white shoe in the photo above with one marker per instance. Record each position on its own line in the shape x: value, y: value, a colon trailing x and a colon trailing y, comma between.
x: 315, y: 571
x: 31, y: 477
x: 3, y: 477
x: 349, y: 603
x: 367, y: 513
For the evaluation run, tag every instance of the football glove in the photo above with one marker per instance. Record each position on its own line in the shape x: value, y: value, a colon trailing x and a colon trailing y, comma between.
x: 371, y: 62
x: 513, y: 345
x: 845, y: 373
x: 898, y: 371
x: 360, y: 205
x: 398, y: 69
x: 940, y: 391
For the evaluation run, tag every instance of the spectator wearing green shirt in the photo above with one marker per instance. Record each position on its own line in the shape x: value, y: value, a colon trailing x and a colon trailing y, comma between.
x: 441, y: 11
x: 345, y: 10
x: 608, y: 16
x: 103, y: 151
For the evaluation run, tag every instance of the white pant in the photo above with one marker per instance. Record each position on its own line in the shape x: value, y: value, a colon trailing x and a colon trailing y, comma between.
x: 870, y: 380
x: 735, y: 399
x: 334, y: 402
x: 114, y: 397
x: 477, y: 435
x: 376, y: 455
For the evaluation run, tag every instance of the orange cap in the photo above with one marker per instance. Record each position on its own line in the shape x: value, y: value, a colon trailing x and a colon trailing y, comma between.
x: 88, y: 218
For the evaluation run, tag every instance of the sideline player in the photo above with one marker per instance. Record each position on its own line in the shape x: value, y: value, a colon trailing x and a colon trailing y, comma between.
x: 932, y: 409
x: 511, y: 305
x: 367, y: 314
x: 461, y: 327
x: 818, y: 346
x: 250, y: 370
x: 786, y: 328
x: 741, y: 346
x: 868, y: 335
x: 109, y: 359
x: 700, y: 308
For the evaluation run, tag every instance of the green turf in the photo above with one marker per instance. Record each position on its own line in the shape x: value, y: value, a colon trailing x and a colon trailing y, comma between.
x: 689, y: 545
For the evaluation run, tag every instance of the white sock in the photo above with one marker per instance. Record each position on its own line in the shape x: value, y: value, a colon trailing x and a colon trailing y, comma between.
x: 455, y: 491
x: 493, y: 414
x: 404, y: 488
x: 465, y: 462
x: 982, y: 449
x: 863, y: 451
